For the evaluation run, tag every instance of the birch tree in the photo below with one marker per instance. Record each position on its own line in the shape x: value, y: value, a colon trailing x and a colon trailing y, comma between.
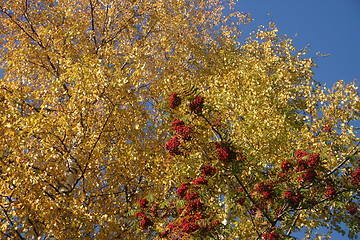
x: 150, y: 119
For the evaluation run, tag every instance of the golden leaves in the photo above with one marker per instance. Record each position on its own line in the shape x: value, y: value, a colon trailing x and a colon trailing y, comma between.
x: 84, y: 86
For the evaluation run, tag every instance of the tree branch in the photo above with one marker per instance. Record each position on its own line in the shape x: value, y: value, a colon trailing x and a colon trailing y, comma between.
x: 12, y: 223
x: 343, y: 162
x: 253, y: 201
x: 92, y: 10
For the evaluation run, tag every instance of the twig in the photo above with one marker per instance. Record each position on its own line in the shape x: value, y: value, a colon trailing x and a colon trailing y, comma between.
x: 92, y: 8
x: 212, y: 128
x: 343, y: 162
x: 12, y: 223
x: 253, y: 201
x: 293, y: 224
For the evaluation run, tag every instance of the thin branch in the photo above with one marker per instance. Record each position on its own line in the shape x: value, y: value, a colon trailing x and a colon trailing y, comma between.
x: 21, y: 27
x: 30, y: 24
x: 343, y: 162
x: 12, y: 223
x: 115, y: 35
x: 253, y: 222
x: 253, y: 201
x: 106, y: 21
x: 106, y: 194
x: 212, y: 128
x: 6, y: 234
x: 102, y: 131
x: 293, y: 224
x: 92, y: 10
x: 37, y: 41
x: 91, y: 151
x: 34, y: 227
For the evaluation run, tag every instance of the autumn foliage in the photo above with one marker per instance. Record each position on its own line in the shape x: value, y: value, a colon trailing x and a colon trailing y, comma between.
x: 159, y: 120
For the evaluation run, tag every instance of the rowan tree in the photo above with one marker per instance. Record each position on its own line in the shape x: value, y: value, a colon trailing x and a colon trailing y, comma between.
x: 150, y: 119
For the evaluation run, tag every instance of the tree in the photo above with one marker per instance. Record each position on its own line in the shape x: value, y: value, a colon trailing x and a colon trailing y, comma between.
x: 149, y: 119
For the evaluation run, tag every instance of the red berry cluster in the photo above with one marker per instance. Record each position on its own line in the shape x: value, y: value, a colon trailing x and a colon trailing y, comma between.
x: 174, y: 101
x: 143, y: 203
x: 306, y: 163
x: 330, y: 192
x: 192, y: 218
x: 182, y: 190
x: 271, y: 235
x: 286, y: 166
x: 352, y: 208
x: 224, y: 152
x: 208, y: 171
x: 173, y: 146
x: 356, y: 177
x: 145, y: 221
x: 292, y: 198
x: 181, y: 129
x: 240, y: 200
x: 327, y: 128
x: 200, y: 181
x: 306, y: 160
x: 309, y: 175
x: 197, y: 105
x: 183, y: 132
x: 266, y: 190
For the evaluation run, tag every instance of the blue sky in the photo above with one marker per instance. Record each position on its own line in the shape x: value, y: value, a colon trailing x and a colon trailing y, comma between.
x: 329, y: 26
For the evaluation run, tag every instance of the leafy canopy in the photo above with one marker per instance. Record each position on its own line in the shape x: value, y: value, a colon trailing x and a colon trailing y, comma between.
x: 149, y: 119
